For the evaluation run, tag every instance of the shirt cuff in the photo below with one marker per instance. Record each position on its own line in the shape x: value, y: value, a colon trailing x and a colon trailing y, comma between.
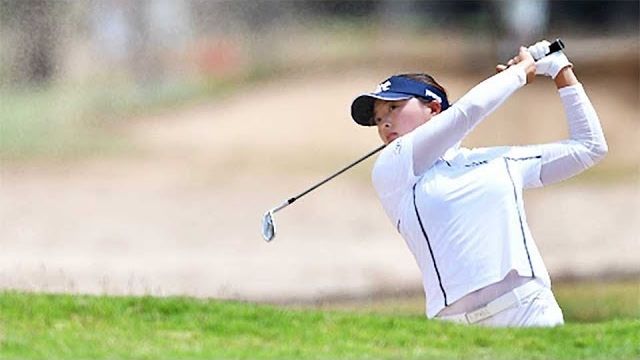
x: 571, y: 90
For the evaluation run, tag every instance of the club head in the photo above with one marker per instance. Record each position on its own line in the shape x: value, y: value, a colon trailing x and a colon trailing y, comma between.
x: 268, y: 227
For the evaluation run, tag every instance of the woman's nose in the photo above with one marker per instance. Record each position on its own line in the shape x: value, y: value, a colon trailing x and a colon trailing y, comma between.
x: 385, y: 121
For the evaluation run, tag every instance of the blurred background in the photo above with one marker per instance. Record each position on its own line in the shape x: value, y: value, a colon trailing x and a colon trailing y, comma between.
x: 142, y: 141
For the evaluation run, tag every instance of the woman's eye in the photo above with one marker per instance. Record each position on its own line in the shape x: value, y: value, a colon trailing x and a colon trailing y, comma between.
x: 393, y: 107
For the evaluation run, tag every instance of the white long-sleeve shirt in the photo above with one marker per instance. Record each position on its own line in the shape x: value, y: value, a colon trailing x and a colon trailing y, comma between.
x: 460, y: 210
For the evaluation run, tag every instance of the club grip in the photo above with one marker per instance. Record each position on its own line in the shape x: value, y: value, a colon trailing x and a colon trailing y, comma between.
x: 556, y: 45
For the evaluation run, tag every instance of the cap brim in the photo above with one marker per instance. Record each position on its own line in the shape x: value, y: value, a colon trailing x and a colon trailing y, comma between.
x: 362, y: 106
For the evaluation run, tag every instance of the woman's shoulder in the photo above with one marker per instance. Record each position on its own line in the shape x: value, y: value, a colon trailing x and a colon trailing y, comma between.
x: 393, y: 169
x: 398, y: 150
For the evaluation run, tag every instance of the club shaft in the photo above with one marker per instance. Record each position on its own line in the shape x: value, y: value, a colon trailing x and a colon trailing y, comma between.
x: 282, y: 206
x: 291, y: 200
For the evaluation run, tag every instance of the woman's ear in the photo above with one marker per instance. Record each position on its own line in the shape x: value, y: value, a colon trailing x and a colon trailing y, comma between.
x: 435, y: 107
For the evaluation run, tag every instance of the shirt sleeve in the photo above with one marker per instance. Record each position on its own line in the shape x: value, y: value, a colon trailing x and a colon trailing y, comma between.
x: 544, y: 164
x: 432, y: 139
x: 586, y: 144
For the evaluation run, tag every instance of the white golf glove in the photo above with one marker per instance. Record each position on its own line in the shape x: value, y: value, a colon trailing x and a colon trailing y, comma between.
x: 551, y: 64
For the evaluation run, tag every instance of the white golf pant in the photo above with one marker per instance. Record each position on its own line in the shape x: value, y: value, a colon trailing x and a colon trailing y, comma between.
x: 530, y: 305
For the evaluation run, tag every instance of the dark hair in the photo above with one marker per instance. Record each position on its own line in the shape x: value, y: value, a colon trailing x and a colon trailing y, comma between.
x: 427, y: 79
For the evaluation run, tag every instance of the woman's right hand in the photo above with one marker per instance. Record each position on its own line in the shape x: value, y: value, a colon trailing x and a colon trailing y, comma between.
x: 523, y: 60
x: 548, y: 64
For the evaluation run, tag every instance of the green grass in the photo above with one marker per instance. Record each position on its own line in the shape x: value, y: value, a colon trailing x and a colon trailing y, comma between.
x: 599, y: 301
x: 65, y: 121
x: 36, y: 326
x: 581, y: 302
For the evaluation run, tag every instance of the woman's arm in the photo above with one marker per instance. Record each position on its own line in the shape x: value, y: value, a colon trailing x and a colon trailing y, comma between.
x: 565, y: 78
x: 432, y: 139
x: 586, y: 144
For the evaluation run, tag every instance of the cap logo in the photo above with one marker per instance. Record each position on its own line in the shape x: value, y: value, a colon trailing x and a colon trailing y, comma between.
x: 433, y: 95
x: 382, y: 87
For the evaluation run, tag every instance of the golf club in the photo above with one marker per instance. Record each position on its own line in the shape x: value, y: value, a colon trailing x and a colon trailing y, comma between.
x: 269, y: 226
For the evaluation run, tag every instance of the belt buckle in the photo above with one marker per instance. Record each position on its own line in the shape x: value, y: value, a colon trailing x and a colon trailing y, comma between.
x: 477, y: 315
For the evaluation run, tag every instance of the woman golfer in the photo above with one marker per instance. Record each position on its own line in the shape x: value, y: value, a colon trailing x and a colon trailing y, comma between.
x: 461, y: 210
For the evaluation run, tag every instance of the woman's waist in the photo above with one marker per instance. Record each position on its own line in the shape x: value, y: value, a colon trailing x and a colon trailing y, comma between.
x: 483, y: 296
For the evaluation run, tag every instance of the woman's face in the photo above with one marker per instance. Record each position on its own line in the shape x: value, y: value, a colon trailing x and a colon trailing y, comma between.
x: 397, y: 118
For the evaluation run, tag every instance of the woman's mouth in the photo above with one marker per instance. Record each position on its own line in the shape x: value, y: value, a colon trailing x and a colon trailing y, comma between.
x: 391, y: 137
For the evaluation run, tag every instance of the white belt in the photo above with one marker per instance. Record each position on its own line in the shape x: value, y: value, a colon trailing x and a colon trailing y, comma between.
x: 502, y: 303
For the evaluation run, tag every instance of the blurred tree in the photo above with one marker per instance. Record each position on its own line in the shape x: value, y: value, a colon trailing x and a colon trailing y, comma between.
x: 397, y: 14
x: 260, y: 23
x: 34, y: 25
x: 519, y: 22
x: 601, y: 17
x: 142, y: 36
x: 261, y: 18
x: 341, y: 8
x: 142, y: 56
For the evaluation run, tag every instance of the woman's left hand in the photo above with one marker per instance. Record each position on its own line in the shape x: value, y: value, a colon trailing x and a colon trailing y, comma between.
x: 525, y: 61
